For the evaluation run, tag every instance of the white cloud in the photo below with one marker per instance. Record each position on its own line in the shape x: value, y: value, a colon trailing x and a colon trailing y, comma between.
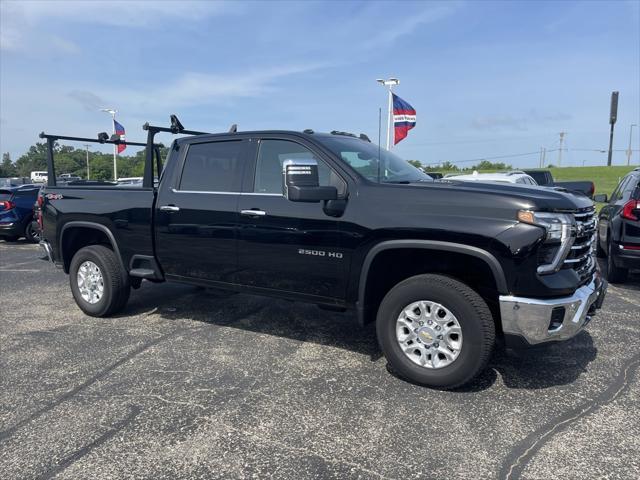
x: 192, y: 88
x: 23, y: 24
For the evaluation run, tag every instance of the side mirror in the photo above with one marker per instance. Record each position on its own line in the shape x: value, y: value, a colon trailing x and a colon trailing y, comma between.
x: 600, y: 198
x: 302, y: 184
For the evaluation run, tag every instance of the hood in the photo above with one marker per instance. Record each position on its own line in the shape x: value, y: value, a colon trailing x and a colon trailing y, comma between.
x: 543, y: 198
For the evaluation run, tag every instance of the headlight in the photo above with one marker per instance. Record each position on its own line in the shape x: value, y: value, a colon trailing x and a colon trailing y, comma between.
x: 559, y: 230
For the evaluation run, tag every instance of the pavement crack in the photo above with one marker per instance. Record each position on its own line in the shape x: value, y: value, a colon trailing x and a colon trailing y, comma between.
x: 519, y: 457
x: 134, y: 411
x: 5, y: 434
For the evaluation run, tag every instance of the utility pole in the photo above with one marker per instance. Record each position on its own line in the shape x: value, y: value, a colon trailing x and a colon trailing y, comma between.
x: 113, y: 112
x: 562, y: 134
x: 389, y: 84
x: 543, y: 154
x: 629, y: 151
x: 613, y: 116
x: 86, y: 145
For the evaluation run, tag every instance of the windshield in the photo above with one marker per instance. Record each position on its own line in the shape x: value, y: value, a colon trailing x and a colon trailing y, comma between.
x: 363, y: 158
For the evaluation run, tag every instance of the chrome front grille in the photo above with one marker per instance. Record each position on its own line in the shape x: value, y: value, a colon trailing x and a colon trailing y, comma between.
x: 581, y: 257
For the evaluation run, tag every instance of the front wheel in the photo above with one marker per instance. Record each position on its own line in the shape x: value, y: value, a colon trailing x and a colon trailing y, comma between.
x: 435, y: 331
x: 99, y: 284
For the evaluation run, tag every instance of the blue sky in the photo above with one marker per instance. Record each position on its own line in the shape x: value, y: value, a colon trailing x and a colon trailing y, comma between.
x: 487, y: 78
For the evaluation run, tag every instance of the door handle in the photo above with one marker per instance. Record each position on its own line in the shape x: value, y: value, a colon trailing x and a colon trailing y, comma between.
x: 253, y: 213
x: 169, y: 208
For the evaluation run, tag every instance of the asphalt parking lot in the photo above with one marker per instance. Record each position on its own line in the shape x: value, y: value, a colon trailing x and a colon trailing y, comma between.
x: 189, y: 384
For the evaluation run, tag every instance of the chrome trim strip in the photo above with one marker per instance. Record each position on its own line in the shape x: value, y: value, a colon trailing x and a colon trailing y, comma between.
x: 228, y: 193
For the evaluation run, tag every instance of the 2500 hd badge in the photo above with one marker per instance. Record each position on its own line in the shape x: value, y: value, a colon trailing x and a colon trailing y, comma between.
x: 319, y: 253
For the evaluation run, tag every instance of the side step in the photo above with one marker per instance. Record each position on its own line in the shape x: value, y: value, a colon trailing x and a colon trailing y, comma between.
x: 145, y: 266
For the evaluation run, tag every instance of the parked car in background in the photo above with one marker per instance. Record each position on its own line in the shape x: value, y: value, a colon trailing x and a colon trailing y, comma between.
x: 16, y: 213
x: 544, y: 178
x: 14, y: 181
x: 68, y: 178
x: 504, y: 177
x: 619, y: 227
x: 130, y: 181
x: 39, y: 177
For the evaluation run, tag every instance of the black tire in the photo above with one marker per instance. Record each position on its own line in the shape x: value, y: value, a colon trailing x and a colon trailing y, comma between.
x: 32, y: 232
x: 11, y: 238
x: 115, y: 281
x: 472, y: 313
x: 615, y: 274
x: 600, y: 252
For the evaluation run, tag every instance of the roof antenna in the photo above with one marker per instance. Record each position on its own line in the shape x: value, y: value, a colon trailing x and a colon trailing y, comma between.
x: 234, y: 128
x: 176, y: 126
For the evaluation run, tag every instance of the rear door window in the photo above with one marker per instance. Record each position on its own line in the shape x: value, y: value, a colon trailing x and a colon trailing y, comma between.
x: 213, y: 167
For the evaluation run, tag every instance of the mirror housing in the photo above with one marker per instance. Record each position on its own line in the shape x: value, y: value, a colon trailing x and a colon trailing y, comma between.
x: 302, y: 184
x: 600, y: 198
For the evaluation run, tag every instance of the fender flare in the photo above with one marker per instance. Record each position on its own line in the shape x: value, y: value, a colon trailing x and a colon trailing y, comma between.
x: 488, y: 258
x: 95, y: 226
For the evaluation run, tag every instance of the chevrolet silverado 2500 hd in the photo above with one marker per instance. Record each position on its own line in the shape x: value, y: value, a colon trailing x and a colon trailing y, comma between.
x: 443, y: 268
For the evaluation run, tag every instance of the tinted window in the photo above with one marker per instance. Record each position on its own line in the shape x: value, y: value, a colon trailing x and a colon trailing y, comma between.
x: 27, y: 193
x: 273, y: 153
x: 373, y: 162
x: 212, y: 167
x: 617, y: 193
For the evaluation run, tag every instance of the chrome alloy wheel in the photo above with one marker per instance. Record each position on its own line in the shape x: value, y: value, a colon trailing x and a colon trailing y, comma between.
x: 429, y: 334
x: 90, y: 282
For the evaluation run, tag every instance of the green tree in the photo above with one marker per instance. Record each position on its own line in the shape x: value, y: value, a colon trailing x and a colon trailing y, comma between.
x: 415, y: 163
x: 7, y: 168
x: 487, y: 165
x: 34, y: 159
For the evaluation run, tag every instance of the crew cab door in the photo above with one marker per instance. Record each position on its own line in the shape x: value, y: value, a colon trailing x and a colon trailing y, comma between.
x: 288, y: 246
x: 196, y: 214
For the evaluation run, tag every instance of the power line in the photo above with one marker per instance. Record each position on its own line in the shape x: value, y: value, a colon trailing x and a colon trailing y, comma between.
x: 497, y: 157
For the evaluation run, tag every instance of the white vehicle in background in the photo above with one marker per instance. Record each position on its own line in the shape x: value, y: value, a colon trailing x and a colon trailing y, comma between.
x: 517, y: 177
x: 39, y: 177
x: 130, y: 181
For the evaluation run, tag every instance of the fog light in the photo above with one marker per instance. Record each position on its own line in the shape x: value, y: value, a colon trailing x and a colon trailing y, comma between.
x: 557, y: 316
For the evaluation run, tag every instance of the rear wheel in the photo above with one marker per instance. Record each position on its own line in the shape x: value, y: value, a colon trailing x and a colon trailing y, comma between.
x: 99, y: 284
x: 435, y: 331
x: 32, y: 232
x: 615, y: 274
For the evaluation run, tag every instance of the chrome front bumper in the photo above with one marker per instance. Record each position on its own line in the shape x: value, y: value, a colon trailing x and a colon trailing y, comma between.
x: 531, y: 318
x: 47, y: 249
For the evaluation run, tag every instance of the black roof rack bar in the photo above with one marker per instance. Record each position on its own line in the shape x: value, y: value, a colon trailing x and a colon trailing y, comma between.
x: 92, y: 140
x: 175, y: 131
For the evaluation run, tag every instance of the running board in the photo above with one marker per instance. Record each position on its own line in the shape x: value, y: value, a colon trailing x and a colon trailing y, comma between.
x: 145, y: 266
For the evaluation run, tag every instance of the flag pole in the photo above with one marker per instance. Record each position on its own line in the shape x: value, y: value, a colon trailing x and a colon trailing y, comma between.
x: 113, y: 112
x: 389, y: 84
x: 390, y: 109
x: 115, y: 147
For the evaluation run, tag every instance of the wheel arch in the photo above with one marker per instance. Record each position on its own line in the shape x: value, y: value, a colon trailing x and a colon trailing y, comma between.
x: 431, y: 246
x: 72, y: 240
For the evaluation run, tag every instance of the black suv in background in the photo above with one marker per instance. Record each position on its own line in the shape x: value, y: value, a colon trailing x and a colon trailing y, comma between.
x: 619, y: 228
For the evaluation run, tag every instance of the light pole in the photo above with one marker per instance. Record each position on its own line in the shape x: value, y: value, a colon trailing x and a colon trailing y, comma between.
x: 113, y: 112
x: 629, y: 150
x: 562, y: 134
x: 86, y: 145
x: 389, y: 84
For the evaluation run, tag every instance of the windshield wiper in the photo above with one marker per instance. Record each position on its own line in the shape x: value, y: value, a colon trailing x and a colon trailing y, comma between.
x: 404, y: 182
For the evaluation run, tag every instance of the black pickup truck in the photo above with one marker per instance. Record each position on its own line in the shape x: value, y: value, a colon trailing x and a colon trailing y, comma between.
x: 544, y: 178
x: 443, y: 268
